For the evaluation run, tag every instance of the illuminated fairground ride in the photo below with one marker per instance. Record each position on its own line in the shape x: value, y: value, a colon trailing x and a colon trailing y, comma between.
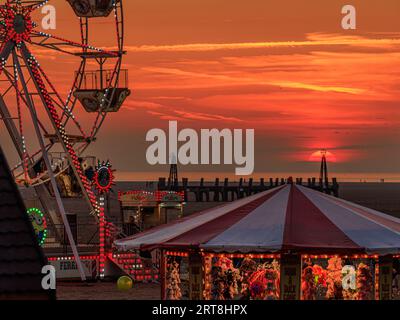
x: 48, y: 137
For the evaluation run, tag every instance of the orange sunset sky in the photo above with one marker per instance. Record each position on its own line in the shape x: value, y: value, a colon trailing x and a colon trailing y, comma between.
x: 285, y: 68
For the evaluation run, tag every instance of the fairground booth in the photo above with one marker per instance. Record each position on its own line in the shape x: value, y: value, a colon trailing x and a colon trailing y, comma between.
x: 146, y: 209
x: 287, y: 243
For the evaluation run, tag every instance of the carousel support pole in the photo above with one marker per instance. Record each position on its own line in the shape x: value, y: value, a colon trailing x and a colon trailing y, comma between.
x: 195, y: 276
x: 385, y: 277
x: 102, y: 222
x: 290, y: 277
x: 163, y: 274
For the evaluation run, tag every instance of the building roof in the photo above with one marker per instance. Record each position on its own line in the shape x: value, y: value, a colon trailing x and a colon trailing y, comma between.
x: 289, y: 218
x: 21, y: 258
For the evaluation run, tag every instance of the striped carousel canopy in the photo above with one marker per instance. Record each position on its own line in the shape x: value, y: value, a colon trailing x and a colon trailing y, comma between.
x: 289, y: 218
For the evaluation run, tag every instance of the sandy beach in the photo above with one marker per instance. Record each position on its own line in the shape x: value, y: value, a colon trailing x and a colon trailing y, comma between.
x: 106, y: 291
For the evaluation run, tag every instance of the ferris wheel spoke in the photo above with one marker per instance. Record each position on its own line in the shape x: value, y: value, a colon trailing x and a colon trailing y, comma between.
x: 97, y: 123
x: 11, y: 128
x: 25, y: 155
x: 32, y: 66
x: 22, y: 95
x: 45, y: 157
x: 16, y: 133
x: 11, y: 83
x: 29, y: 102
x: 54, y: 47
x: 71, y: 100
x: 5, y: 51
x: 39, y: 4
x: 64, y: 108
x: 62, y: 42
x: 31, y: 4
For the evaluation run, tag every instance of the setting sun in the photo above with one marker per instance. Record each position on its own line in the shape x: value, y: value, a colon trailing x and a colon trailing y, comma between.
x: 317, y: 155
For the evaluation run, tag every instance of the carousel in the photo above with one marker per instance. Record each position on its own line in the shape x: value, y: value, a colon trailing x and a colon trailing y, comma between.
x: 287, y: 243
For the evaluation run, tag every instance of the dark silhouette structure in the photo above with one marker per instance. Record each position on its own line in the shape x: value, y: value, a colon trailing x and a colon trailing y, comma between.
x: 323, y: 176
x: 173, y: 178
x: 21, y: 258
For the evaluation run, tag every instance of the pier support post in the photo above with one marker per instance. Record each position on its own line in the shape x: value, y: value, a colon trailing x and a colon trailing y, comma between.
x: 225, y: 191
x: 240, y: 189
x: 313, y: 180
x: 335, y: 187
x: 250, y: 188
x: 161, y: 184
x: 216, y: 190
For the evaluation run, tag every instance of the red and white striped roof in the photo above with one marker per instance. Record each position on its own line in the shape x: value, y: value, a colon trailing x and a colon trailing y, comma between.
x: 288, y: 218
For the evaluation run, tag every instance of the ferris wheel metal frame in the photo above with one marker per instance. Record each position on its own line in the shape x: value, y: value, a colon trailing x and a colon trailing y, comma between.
x: 27, y: 82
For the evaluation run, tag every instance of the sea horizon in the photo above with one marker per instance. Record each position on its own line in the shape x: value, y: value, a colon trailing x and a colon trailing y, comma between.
x: 129, y: 176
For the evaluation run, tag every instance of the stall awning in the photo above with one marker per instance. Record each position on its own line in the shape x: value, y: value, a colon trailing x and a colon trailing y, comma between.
x: 288, y: 218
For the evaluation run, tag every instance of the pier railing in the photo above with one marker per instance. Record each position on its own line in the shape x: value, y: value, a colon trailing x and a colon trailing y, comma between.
x: 230, y: 191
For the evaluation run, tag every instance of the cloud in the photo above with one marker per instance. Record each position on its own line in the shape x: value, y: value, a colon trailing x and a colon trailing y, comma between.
x: 312, y: 39
x: 192, y: 116
x: 205, y: 116
x: 246, y: 80
x: 311, y: 87
x: 137, y: 104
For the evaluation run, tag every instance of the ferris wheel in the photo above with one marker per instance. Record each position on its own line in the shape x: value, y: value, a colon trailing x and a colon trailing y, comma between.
x: 43, y: 123
x: 28, y: 95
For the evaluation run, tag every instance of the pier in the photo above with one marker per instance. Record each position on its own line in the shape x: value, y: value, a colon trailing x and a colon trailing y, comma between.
x: 226, y: 191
